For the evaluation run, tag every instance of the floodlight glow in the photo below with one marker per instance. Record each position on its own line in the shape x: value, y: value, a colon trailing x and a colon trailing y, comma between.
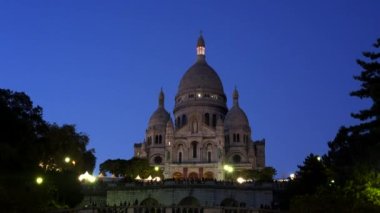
x: 67, y: 159
x: 158, y: 179
x: 228, y: 168
x: 39, y: 180
x: 241, y: 180
x: 292, y: 176
x: 87, y: 177
x: 318, y: 158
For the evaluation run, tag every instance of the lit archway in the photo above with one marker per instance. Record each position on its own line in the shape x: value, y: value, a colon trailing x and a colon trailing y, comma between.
x: 193, y: 175
x: 177, y: 176
x: 208, y: 175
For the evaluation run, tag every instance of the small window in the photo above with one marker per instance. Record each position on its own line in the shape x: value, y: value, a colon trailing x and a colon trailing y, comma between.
x: 180, y: 157
x: 236, y: 159
x: 191, y: 96
x: 209, y: 157
x: 194, y: 146
x: 214, y: 120
x: 207, y: 119
x: 184, y: 120
x: 157, y: 160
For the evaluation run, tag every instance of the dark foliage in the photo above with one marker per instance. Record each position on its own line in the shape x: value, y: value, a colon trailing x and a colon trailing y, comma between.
x: 350, y: 181
x: 31, y: 147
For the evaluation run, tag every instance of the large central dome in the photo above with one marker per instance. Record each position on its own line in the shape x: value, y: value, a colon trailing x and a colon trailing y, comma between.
x: 200, y: 85
x: 200, y: 76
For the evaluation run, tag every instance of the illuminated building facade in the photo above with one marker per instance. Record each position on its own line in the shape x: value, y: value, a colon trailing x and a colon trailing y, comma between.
x: 204, y: 135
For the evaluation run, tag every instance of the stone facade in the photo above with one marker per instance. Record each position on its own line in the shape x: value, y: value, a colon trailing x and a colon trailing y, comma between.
x: 205, y: 194
x: 204, y: 135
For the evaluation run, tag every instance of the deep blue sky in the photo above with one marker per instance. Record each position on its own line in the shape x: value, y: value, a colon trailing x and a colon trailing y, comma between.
x: 100, y: 64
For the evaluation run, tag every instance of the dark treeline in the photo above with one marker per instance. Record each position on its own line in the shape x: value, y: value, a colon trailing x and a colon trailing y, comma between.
x: 347, y: 178
x: 31, y: 147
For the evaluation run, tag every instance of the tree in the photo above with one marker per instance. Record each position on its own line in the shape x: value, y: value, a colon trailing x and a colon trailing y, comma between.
x: 129, y: 168
x: 264, y: 175
x: 352, y: 162
x: 354, y: 153
x: 311, y: 175
x: 31, y: 147
x: 62, y: 142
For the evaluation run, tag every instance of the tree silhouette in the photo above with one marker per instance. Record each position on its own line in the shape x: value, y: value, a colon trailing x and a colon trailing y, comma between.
x: 31, y: 147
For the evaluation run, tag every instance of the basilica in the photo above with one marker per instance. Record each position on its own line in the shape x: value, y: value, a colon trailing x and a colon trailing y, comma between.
x: 204, y: 135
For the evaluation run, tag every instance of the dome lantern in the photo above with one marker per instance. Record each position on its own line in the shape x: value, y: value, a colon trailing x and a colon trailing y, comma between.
x: 201, y: 48
x: 161, y: 99
x: 235, y: 97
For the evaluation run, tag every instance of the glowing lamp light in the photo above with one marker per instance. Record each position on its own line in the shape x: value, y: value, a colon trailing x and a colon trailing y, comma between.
x: 39, y: 180
x: 292, y: 176
x: 156, y: 168
x: 87, y: 177
x: 241, y: 180
x: 157, y: 179
x: 318, y: 158
x: 228, y: 168
x: 67, y: 159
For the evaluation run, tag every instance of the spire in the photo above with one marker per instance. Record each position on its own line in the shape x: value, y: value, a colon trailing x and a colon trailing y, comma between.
x: 201, y: 47
x: 235, y: 97
x: 161, y: 99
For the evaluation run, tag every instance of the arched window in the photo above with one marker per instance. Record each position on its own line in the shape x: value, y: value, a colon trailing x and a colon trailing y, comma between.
x: 179, y: 122
x: 234, y: 137
x: 236, y: 159
x: 180, y: 157
x: 194, y: 147
x: 156, y: 139
x: 237, y: 138
x: 214, y: 120
x: 207, y: 119
x: 227, y: 139
x: 160, y: 139
x: 157, y: 160
x: 209, y: 157
x: 184, y: 120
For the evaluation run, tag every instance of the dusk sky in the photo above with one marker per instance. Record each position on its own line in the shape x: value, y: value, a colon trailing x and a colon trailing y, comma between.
x: 100, y: 65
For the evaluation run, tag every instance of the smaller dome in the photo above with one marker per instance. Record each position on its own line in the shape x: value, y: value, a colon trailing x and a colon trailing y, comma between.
x: 160, y: 117
x: 236, y: 117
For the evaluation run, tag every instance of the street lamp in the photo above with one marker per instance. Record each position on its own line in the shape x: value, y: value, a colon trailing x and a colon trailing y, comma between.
x: 39, y: 180
x: 228, y: 168
x: 292, y: 176
x: 67, y: 159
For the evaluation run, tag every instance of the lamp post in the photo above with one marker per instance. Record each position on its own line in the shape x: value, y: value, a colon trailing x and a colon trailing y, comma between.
x: 228, y: 170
